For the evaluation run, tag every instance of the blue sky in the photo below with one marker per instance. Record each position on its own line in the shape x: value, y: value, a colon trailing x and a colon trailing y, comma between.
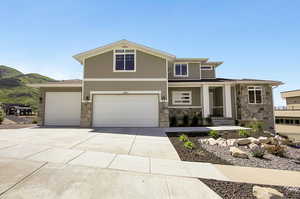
x: 255, y: 39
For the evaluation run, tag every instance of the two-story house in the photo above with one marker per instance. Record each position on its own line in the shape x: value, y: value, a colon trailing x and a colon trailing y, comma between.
x: 126, y: 84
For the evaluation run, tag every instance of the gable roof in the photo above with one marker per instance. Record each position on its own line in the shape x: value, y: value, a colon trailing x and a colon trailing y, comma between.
x: 122, y: 43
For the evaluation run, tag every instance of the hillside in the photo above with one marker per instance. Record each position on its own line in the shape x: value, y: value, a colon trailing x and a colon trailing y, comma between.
x: 13, y: 87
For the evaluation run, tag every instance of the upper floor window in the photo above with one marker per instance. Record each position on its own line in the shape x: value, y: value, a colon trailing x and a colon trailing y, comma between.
x: 181, y: 69
x: 204, y: 67
x: 124, y: 60
x: 255, y: 94
x: 182, y: 97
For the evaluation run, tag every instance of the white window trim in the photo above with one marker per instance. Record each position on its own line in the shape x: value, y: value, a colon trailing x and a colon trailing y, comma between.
x: 254, y: 89
x: 210, y: 67
x: 187, y: 69
x: 181, y: 103
x: 124, y: 53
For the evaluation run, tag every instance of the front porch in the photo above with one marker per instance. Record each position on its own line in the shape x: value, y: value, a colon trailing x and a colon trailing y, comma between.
x: 206, y: 101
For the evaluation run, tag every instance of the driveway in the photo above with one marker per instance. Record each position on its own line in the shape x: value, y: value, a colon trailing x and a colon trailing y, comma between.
x: 48, y: 163
x: 145, y: 142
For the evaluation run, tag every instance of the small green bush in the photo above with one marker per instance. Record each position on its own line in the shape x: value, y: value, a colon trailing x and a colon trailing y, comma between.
x: 258, y: 154
x: 189, y: 145
x: 173, y: 121
x: 214, y: 134
x: 244, y: 133
x: 256, y: 126
x: 208, y: 121
x: 34, y: 121
x: 183, y: 138
x: 195, y: 121
x: 185, y: 120
x: 1, y: 116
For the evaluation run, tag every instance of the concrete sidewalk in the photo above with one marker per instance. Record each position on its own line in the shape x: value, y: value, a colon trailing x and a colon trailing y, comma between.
x: 154, y: 166
x: 25, y: 179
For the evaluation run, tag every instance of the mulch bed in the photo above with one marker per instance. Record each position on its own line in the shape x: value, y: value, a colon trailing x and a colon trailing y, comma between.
x: 197, y: 155
x: 235, y: 190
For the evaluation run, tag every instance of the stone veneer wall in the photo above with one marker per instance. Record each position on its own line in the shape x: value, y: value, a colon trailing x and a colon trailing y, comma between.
x: 180, y: 112
x: 264, y: 112
x: 163, y: 114
x: 41, y: 111
x: 86, y: 114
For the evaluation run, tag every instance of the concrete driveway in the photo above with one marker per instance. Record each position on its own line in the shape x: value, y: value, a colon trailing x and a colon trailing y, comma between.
x: 145, y: 142
x: 48, y: 163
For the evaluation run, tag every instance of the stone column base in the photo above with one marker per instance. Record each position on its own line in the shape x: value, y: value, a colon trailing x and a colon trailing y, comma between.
x: 86, y: 114
x: 163, y: 114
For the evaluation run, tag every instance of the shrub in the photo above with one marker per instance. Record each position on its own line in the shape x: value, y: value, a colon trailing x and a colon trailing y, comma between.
x: 208, y: 121
x: 244, y: 133
x: 34, y: 121
x: 185, y: 120
x: 173, y: 121
x: 256, y: 126
x: 183, y: 138
x: 256, y: 150
x: 1, y: 116
x: 214, y: 134
x: 195, y: 121
x: 237, y: 123
x: 189, y: 145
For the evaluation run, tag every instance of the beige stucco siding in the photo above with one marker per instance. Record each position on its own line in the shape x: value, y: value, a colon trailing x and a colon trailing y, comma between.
x: 287, y: 113
x: 208, y: 74
x: 125, y: 86
x: 293, y: 102
x: 147, y: 66
x: 292, y: 131
x: 41, y: 113
x: 196, y: 95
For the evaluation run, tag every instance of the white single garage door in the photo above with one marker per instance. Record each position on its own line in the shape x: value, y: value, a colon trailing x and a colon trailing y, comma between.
x: 62, y: 108
x: 125, y: 111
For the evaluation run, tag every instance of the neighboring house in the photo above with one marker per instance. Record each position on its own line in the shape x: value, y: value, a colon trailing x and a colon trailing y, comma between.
x: 288, y: 117
x: 128, y: 84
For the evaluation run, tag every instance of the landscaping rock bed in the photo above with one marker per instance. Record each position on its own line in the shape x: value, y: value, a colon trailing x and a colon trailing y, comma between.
x: 220, y: 153
x: 268, y: 160
x: 198, y: 154
x: 235, y: 190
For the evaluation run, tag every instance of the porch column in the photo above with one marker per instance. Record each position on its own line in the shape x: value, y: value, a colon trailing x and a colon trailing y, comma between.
x: 228, y: 108
x: 205, y: 94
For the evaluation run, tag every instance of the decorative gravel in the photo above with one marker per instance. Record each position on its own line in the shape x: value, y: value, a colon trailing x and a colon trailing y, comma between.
x: 290, y: 162
x: 236, y: 190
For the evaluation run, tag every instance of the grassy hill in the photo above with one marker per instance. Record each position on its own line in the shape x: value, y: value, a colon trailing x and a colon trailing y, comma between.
x: 13, y: 87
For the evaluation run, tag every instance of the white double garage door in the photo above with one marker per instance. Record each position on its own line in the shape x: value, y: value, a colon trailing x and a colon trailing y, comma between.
x: 64, y: 109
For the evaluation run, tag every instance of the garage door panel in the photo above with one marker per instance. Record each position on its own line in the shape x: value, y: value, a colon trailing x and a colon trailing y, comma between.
x: 125, y: 110
x: 62, y: 108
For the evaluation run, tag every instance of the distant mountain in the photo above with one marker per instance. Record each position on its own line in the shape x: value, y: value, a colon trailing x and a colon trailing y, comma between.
x: 6, y: 72
x: 13, y: 87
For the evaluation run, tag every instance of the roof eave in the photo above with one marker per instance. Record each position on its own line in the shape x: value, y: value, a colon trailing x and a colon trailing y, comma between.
x: 53, y: 85
x: 90, y: 53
